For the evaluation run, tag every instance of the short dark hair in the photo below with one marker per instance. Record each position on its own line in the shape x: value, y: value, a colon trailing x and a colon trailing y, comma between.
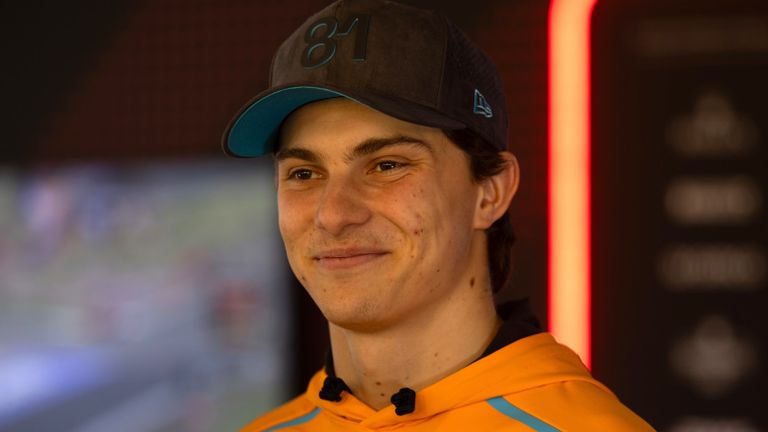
x: 485, y: 161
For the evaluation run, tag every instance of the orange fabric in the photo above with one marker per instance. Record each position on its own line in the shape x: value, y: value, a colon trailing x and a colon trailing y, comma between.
x: 535, y: 374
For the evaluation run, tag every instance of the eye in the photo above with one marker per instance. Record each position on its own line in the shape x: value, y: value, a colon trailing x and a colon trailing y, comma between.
x: 388, y: 165
x: 300, y: 174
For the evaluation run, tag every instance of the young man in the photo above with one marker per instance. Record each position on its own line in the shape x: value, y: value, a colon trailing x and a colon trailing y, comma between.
x: 389, y: 131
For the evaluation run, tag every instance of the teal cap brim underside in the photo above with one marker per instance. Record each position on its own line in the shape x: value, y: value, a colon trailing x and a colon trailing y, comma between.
x: 255, y: 131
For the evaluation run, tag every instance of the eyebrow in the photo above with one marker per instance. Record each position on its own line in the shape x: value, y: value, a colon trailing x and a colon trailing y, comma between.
x: 297, y: 153
x: 367, y: 147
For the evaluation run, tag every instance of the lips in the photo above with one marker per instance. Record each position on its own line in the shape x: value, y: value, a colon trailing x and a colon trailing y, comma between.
x: 337, y: 259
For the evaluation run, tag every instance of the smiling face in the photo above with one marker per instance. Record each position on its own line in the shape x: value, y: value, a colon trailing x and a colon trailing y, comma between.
x: 378, y: 215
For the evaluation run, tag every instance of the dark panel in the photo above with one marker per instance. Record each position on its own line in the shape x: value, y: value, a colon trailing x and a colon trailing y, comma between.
x: 679, y: 185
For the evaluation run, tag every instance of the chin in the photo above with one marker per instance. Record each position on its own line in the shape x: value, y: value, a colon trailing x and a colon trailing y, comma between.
x: 363, y: 317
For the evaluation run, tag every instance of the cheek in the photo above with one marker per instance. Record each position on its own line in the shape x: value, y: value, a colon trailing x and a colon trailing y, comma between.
x: 417, y: 214
x: 408, y: 203
x: 432, y: 210
x: 291, y: 216
x: 291, y: 229
x: 444, y: 223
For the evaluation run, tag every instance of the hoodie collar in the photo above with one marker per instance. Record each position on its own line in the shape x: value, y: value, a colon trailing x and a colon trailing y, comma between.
x: 530, y: 362
x: 513, y: 361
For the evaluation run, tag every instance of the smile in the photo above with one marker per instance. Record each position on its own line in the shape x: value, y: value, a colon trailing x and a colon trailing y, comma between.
x: 346, y: 260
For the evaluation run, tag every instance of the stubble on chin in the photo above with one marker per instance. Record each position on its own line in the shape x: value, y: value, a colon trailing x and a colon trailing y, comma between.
x: 364, y: 316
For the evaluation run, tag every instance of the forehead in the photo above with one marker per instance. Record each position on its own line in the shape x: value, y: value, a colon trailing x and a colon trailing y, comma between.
x: 334, y: 123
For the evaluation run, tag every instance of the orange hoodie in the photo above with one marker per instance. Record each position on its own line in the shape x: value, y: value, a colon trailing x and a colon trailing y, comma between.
x: 533, y: 384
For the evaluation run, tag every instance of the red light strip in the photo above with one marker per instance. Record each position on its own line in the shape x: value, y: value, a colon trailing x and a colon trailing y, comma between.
x: 569, y: 174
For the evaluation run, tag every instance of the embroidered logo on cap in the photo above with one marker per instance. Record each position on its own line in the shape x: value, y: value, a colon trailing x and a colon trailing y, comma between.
x: 481, y: 105
x: 321, y: 39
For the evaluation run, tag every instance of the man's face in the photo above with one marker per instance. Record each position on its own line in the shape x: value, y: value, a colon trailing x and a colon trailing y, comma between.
x: 376, y: 213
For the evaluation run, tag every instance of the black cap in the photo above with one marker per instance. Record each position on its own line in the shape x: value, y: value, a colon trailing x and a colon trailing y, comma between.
x: 409, y: 63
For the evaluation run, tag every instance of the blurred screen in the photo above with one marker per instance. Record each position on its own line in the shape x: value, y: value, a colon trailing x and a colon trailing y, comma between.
x: 140, y: 297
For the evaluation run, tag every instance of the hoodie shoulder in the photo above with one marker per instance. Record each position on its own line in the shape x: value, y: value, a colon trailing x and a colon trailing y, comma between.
x: 296, y: 411
x: 545, y: 386
x: 578, y: 406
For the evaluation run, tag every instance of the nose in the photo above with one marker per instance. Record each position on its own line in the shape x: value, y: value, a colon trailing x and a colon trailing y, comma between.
x: 341, y: 207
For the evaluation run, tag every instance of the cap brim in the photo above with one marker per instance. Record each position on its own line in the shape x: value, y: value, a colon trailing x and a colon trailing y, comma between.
x: 254, y: 130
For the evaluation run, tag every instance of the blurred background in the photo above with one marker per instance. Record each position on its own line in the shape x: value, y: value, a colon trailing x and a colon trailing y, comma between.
x: 143, y: 285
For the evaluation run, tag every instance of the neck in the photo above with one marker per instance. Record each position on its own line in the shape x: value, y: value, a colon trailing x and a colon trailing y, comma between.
x: 417, y: 352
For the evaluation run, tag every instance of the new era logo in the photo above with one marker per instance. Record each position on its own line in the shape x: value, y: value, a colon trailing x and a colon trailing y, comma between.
x: 481, y: 105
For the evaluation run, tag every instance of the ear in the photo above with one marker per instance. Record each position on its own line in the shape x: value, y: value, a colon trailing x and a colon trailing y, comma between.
x: 496, y: 193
